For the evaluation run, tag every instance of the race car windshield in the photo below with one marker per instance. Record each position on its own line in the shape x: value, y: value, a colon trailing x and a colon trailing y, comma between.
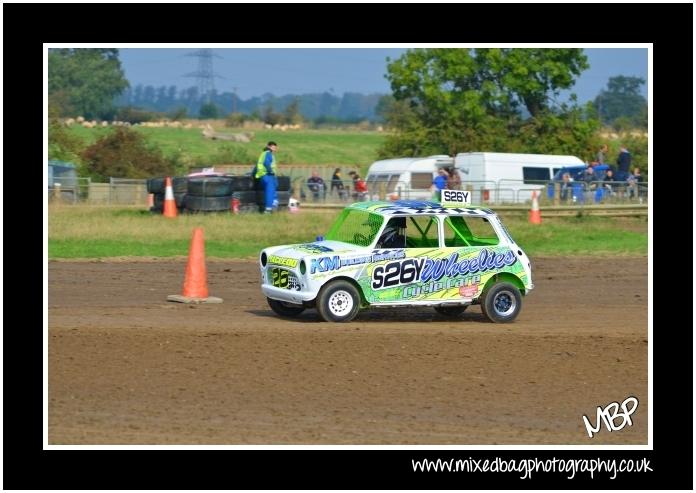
x: 356, y: 227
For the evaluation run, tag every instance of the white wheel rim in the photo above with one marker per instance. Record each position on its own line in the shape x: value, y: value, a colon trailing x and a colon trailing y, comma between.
x: 340, y: 303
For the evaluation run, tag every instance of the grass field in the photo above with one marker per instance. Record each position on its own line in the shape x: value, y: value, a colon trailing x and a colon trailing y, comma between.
x: 102, y: 232
x: 315, y: 147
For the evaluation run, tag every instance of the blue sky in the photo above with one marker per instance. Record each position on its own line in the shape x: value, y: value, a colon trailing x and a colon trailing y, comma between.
x: 255, y: 71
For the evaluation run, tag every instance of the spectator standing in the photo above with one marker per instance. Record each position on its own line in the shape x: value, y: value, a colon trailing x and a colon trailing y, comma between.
x: 316, y: 185
x: 266, y: 170
x: 624, y: 160
x: 566, y: 186
x: 602, y: 154
x: 454, y: 182
x: 439, y: 183
x: 337, y: 183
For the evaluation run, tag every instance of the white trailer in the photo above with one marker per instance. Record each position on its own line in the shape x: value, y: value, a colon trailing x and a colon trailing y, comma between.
x: 407, y: 178
x: 504, y: 177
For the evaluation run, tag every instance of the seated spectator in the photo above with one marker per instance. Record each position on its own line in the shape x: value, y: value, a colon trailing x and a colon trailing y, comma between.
x: 590, y: 177
x: 633, y: 181
x: 608, y: 178
x: 315, y: 184
x: 360, y: 187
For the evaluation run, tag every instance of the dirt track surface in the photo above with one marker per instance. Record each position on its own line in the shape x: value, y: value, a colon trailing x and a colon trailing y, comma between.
x: 127, y: 367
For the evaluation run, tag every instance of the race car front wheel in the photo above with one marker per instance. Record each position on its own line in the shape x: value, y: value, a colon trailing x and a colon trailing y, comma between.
x: 338, y: 301
x: 285, y: 309
x: 501, y: 302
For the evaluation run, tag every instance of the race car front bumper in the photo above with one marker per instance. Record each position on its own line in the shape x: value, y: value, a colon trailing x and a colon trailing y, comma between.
x: 287, y: 295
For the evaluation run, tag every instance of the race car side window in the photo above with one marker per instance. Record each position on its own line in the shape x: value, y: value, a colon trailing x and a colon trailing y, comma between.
x: 422, y: 232
x: 356, y: 227
x: 472, y: 231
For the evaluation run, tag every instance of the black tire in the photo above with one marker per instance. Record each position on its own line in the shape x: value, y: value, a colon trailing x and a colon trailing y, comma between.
x: 217, y: 186
x: 158, y: 204
x: 179, y: 185
x: 283, y: 198
x: 451, y: 311
x: 207, y: 204
x: 283, y: 183
x: 155, y: 185
x: 179, y: 199
x: 248, y: 197
x: 501, y: 303
x: 242, y: 183
x: 338, y: 301
x: 285, y: 309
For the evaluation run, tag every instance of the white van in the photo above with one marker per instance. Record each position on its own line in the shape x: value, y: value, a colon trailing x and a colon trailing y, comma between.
x: 408, y: 178
x: 502, y: 177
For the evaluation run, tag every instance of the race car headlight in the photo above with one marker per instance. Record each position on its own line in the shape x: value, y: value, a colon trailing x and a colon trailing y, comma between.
x: 303, y: 267
x: 264, y: 259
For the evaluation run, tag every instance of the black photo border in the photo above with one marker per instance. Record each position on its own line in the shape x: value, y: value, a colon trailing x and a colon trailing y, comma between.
x: 27, y: 26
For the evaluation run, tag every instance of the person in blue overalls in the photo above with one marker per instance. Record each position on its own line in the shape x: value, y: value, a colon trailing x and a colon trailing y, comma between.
x: 266, y: 170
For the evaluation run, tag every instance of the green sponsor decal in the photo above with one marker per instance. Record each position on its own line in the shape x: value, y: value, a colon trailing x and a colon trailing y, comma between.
x: 438, y: 274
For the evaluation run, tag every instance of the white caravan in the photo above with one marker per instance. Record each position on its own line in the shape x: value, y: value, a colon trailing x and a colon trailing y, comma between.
x: 405, y: 178
x: 501, y: 177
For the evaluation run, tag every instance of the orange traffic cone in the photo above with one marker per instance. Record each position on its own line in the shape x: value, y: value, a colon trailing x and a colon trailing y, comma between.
x: 150, y: 200
x: 169, y: 203
x: 535, y: 213
x: 196, y: 279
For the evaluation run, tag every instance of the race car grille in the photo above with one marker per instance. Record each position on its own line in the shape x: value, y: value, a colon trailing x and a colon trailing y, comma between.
x: 282, y: 278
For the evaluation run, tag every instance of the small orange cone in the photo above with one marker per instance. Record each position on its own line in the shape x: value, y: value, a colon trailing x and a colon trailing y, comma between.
x: 150, y: 200
x: 535, y: 213
x: 169, y: 203
x: 196, y: 279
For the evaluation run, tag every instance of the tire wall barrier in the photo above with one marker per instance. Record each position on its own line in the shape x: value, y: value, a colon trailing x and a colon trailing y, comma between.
x: 215, y: 193
x: 219, y: 186
x: 283, y: 198
x: 207, y: 204
x: 283, y: 184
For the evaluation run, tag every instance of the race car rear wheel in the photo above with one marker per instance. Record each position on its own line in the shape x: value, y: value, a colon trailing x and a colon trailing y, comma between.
x: 501, y: 302
x: 338, y: 301
x: 285, y: 309
x: 451, y: 311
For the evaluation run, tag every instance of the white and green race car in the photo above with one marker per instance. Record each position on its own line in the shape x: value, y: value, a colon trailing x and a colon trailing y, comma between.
x: 447, y: 256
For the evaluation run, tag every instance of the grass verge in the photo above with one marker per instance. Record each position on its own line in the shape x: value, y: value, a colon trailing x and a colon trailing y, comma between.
x: 100, y: 232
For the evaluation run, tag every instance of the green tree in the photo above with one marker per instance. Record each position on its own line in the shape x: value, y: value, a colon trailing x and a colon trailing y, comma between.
x: 62, y: 144
x: 235, y: 119
x: 622, y: 98
x: 292, y: 113
x: 178, y: 114
x: 124, y: 153
x: 208, y: 110
x: 84, y: 81
x: 454, y: 100
x: 271, y: 117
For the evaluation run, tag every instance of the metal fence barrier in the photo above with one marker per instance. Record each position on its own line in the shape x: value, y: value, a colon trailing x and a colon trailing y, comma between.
x: 123, y: 191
